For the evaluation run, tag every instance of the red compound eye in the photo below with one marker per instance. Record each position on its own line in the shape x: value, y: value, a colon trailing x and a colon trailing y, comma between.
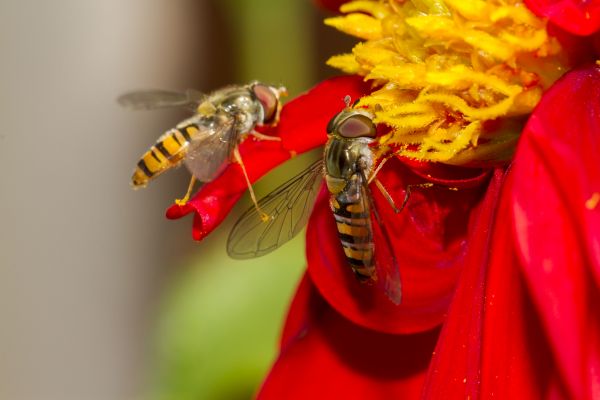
x: 357, y: 125
x: 268, y: 99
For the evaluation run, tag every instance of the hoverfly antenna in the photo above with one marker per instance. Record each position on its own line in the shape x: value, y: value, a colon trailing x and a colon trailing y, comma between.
x: 347, y: 100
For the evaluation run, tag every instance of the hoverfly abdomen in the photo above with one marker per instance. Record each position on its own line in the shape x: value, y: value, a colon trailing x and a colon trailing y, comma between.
x: 353, y: 221
x: 166, y: 153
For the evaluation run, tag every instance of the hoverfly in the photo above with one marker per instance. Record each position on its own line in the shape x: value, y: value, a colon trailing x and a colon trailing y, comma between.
x: 208, y: 140
x: 348, y: 167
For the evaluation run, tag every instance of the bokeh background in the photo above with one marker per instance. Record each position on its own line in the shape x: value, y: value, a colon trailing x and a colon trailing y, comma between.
x: 100, y: 296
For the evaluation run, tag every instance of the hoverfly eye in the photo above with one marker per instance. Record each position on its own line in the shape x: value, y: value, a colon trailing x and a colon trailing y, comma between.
x: 268, y: 100
x: 357, y: 125
x: 331, y: 124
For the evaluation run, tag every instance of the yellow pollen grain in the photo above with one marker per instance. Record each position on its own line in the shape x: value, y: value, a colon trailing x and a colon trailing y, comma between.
x: 593, y: 201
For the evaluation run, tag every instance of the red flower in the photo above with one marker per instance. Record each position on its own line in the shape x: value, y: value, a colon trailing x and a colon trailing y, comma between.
x: 501, y: 278
x: 523, y: 321
x: 521, y: 281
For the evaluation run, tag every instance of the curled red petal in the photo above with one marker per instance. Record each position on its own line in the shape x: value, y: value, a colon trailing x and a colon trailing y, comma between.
x: 325, y: 356
x: 302, y: 127
x: 429, y: 242
x: 524, y: 322
x: 581, y: 17
x: 215, y: 199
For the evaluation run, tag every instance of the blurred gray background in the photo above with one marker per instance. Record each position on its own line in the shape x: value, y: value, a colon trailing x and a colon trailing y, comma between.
x: 100, y: 296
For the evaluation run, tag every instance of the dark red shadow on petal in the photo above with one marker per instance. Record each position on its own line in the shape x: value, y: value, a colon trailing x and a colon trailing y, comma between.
x: 448, y: 175
x: 325, y: 356
x: 578, y: 50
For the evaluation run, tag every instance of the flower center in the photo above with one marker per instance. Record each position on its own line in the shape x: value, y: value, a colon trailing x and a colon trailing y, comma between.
x: 454, y: 79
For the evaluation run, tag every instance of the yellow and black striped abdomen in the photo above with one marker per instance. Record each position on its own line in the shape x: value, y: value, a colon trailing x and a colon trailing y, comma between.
x: 353, y: 221
x: 168, y: 151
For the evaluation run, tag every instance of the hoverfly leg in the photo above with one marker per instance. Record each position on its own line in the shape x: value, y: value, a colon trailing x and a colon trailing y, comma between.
x: 408, y: 189
x: 262, y: 136
x: 238, y: 158
x: 379, y: 166
x: 387, y: 196
x: 182, y: 202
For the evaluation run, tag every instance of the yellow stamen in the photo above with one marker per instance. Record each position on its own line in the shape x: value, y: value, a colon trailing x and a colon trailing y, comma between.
x: 442, y: 68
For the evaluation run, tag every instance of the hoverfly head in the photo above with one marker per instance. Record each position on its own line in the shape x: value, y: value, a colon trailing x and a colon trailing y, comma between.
x: 270, y: 100
x: 352, y: 123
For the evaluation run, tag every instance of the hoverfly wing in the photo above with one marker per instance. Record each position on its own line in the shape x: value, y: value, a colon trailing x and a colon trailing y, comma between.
x: 153, y: 99
x: 210, y: 151
x: 289, y: 207
x: 386, y: 265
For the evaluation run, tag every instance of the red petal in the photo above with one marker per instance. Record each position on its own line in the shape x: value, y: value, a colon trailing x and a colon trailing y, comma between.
x: 524, y: 322
x: 429, y: 242
x: 325, y: 356
x: 302, y: 127
x: 455, y: 368
x: 557, y: 225
x: 581, y: 17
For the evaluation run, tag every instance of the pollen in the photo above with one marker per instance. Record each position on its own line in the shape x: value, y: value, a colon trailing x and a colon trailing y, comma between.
x: 454, y: 80
x: 593, y: 201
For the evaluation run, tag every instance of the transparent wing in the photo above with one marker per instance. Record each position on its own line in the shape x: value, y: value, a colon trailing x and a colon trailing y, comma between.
x: 386, y: 265
x: 152, y: 99
x: 289, y: 207
x: 211, y: 148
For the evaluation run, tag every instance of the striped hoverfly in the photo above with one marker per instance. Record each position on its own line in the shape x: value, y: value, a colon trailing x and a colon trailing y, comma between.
x: 208, y: 140
x: 348, y: 168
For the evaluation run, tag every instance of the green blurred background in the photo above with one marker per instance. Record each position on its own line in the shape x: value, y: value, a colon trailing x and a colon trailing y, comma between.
x: 219, y: 319
x: 100, y: 296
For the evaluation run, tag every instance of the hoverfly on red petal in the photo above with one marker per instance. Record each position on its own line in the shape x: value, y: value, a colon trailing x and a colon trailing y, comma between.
x: 348, y: 168
x: 208, y: 140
